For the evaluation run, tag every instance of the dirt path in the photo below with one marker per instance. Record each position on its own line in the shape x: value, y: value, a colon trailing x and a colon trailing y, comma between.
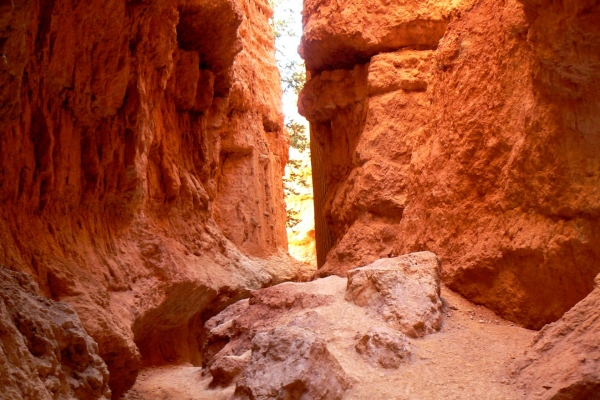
x: 470, y: 358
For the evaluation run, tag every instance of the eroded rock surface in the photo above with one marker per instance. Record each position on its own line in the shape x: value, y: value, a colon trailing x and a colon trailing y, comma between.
x: 481, y: 145
x: 291, y: 363
x: 564, y: 360
x: 141, y: 155
x: 230, y: 333
x: 472, y: 356
x: 359, y: 319
x: 226, y: 369
x: 340, y: 35
x: 404, y: 291
x: 45, y: 351
x: 388, y: 349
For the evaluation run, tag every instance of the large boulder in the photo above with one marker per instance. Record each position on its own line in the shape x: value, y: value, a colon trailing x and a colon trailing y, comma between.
x: 564, y: 360
x: 291, y: 363
x: 230, y: 333
x: 404, y: 290
x: 44, y: 351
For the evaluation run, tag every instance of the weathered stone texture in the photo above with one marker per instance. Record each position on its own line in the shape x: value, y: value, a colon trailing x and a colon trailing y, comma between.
x: 44, y: 351
x: 563, y: 361
x: 296, y: 333
x: 404, y: 291
x: 141, y: 155
x: 388, y: 349
x: 291, y: 363
x: 483, y: 147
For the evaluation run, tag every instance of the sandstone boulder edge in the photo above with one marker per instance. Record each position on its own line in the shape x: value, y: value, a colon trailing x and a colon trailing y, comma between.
x: 403, y: 291
x: 291, y: 363
x: 563, y: 361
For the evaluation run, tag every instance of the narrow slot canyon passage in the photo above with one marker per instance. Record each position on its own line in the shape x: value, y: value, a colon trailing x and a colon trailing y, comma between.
x: 297, y: 181
x: 285, y: 199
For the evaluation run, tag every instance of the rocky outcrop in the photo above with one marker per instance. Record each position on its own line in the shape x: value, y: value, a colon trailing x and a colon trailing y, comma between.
x: 45, y: 352
x: 230, y: 333
x: 404, y: 291
x: 564, y: 360
x: 141, y: 154
x: 470, y: 357
x: 479, y: 144
x: 291, y: 363
x: 296, y: 333
x: 339, y: 36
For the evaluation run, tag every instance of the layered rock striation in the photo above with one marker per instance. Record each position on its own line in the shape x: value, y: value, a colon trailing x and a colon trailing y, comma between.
x: 469, y: 129
x: 141, y: 155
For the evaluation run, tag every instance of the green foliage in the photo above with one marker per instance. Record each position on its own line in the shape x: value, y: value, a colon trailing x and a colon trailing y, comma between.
x: 293, y: 71
x: 298, y: 178
x: 294, y: 76
x: 292, y: 218
x: 283, y: 27
x: 298, y: 138
x: 299, y: 175
x: 286, y: 27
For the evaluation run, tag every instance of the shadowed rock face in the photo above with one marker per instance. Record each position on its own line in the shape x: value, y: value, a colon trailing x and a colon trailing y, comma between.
x: 563, y: 361
x: 45, y: 352
x: 141, y: 155
x: 481, y: 146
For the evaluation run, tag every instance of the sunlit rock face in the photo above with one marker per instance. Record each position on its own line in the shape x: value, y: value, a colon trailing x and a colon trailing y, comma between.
x: 478, y: 139
x: 141, y: 155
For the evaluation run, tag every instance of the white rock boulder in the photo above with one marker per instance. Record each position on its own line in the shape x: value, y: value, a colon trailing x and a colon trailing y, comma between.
x: 404, y: 291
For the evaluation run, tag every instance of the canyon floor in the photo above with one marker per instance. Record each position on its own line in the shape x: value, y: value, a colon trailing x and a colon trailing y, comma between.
x: 471, y: 357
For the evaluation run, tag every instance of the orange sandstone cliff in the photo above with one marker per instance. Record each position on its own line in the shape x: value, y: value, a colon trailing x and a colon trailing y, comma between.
x: 470, y: 129
x: 141, y: 155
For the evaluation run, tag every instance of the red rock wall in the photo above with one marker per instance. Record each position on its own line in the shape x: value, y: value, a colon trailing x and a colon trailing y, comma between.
x: 562, y: 362
x: 477, y: 139
x: 45, y: 351
x: 141, y: 155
